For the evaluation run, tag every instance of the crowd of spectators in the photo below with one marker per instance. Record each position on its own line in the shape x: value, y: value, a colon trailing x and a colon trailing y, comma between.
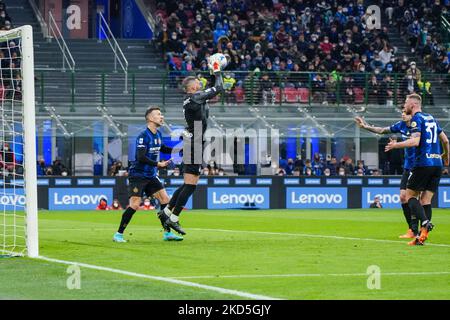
x: 330, y: 40
x: 10, y: 56
x: 57, y: 168
x: 419, y: 23
x: 319, y: 166
x: 8, y: 163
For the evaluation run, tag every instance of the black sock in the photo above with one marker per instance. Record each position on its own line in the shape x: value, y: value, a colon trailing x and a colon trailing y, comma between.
x: 417, y: 209
x: 407, y: 213
x: 183, y: 198
x: 173, y: 200
x: 126, y: 217
x: 427, y: 209
x: 162, y: 206
x: 414, y: 224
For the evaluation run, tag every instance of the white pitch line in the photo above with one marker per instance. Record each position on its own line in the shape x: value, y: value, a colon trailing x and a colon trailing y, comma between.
x: 267, y: 233
x: 164, y: 279
x: 316, y: 236
x: 299, y: 275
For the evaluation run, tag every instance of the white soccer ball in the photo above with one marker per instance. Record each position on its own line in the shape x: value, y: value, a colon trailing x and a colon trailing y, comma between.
x: 220, y: 58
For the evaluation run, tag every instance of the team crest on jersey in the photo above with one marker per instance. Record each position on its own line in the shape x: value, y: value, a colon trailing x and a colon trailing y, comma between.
x: 135, y: 190
x: 413, y: 124
x: 141, y: 140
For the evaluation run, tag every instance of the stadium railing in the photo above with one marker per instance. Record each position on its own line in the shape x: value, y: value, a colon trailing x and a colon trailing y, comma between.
x: 286, y: 89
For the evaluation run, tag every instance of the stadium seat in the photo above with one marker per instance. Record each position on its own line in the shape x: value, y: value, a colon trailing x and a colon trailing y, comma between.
x: 178, y: 62
x: 359, y: 95
x: 303, y: 95
x: 291, y: 95
x: 239, y: 95
x: 277, y: 91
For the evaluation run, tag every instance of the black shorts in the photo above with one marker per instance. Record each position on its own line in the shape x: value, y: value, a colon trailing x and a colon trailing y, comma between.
x: 190, y: 166
x: 405, y: 177
x: 138, y: 186
x: 424, y: 178
x: 194, y: 169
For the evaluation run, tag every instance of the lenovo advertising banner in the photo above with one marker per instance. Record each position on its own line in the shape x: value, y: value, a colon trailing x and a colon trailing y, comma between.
x: 316, y: 198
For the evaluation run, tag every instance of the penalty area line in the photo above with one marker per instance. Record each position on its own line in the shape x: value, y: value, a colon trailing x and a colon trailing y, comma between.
x: 241, y: 294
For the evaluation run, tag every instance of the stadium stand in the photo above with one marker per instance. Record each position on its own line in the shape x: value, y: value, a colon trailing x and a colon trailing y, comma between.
x: 295, y: 65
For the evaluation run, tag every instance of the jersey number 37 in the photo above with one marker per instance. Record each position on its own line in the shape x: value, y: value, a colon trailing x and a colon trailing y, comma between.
x: 432, y: 129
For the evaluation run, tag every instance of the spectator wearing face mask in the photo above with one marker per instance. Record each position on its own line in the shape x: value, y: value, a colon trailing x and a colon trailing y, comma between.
x: 317, y: 165
x: 289, y: 166
x: 413, y: 31
x: 332, y: 165
x: 174, y: 44
x: 3, y: 18
x: 102, y: 205
x: 115, y: 205
x: 146, y: 205
x: 280, y: 172
x: 414, y: 71
x: 377, y: 63
x: 40, y: 167
x: 376, y: 203
x: 176, y: 172
x: 229, y: 84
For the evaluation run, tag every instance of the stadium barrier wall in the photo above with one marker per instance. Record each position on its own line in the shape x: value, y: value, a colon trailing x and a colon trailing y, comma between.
x: 243, y: 192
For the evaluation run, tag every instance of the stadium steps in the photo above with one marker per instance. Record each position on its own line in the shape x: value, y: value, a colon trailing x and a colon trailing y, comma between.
x: 403, y: 49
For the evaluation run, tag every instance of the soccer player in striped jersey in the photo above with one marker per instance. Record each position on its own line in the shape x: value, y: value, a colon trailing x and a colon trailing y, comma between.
x: 402, y: 127
x: 143, y: 173
x: 431, y: 154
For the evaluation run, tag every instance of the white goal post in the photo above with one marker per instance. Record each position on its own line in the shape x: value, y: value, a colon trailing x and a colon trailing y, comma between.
x: 18, y: 190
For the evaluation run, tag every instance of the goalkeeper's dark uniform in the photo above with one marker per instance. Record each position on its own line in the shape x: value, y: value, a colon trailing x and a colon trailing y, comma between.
x: 196, y: 113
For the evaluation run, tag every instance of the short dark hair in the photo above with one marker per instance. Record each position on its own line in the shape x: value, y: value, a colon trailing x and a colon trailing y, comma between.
x: 150, y: 110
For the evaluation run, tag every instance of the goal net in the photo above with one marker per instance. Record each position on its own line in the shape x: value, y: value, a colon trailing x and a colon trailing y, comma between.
x: 18, y: 187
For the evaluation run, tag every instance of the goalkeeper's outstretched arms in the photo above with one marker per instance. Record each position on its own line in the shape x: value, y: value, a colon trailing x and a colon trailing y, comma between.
x: 203, y: 95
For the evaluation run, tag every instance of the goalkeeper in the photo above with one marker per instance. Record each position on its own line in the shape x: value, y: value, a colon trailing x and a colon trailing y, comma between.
x: 196, y: 112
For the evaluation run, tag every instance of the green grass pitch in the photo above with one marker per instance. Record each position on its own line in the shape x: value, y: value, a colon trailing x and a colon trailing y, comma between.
x: 284, y: 254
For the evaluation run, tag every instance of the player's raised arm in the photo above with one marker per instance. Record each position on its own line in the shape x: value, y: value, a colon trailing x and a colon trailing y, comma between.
x: 360, y: 122
x: 203, y: 95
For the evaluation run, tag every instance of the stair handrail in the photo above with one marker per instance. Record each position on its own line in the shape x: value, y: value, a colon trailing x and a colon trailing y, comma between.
x: 55, y: 33
x: 40, y: 18
x: 118, y: 53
